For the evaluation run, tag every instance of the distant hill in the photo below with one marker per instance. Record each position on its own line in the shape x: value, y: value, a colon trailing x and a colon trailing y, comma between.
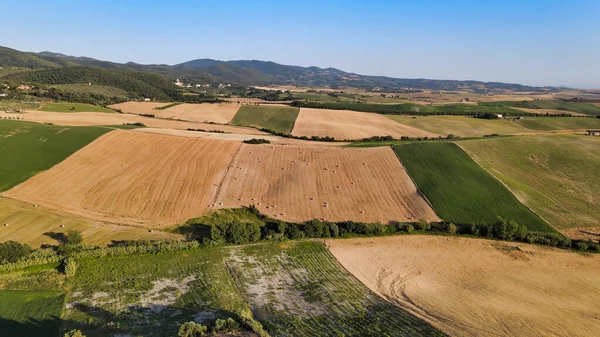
x: 253, y: 72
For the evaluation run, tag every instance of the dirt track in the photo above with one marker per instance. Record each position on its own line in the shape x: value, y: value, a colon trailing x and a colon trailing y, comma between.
x: 343, y: 124
x: 99, y: 118
x: 473, y: 287
x: 301, y: 183
x: 133, y: 178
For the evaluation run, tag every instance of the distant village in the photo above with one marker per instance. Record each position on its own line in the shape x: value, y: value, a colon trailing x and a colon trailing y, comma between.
x: 181, y: 84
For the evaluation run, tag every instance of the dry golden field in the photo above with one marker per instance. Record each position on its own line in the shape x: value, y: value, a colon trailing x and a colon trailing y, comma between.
x: 27, y: 224
x: 343, y: 124
x: 474, y: 287
x: 206, y: 112
x: 549, y: 111
x: 302, y: 183
x: 134, y: 178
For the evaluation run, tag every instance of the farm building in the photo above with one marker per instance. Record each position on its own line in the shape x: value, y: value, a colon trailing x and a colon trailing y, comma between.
x: 592, y: 132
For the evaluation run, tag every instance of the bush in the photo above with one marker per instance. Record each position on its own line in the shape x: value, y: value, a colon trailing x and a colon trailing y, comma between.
x: 452, y: 229
x: 257, y: 141
x: 74, y: 333
x: 192, y: 329
x: 73, y: 237
x: 69, y: 267
x: 13, y: 251
x: 228, y: 325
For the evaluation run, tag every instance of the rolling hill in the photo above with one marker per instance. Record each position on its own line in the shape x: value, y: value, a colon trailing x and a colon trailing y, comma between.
x: 254, y: 72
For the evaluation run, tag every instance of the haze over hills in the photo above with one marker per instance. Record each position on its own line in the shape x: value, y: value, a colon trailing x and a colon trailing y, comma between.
x: 250, y: 72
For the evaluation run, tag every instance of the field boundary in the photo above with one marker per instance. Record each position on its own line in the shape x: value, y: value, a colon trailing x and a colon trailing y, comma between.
x: 415, y: 183
x: 508, y: 188
x: 229, y: 166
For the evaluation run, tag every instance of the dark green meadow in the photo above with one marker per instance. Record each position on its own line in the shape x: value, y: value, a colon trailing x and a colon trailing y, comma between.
x: 30, y: 313
x: 459, y: 189
x: 275, y: 118
x: 28, y: 148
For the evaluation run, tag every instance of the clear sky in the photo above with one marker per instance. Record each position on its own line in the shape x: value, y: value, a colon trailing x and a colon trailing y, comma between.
x: 551, y: 42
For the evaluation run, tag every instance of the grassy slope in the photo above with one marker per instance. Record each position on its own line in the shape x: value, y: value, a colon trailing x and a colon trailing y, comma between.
x: 27, y: 148
x: 30, y: 313
x: 293, y: 289
x: 557, y: 176
x: 459, y: 189
x: 584, y: 108
x: 460, y: 125
x: 276, y: 118
x: 559, y: 123
x: 73, y: 107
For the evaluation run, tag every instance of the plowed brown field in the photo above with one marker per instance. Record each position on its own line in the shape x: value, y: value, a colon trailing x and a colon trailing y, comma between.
x: 134, y: 178
x: 99, y: 118
x: 302, y: 183
x: 208, y: 113
x: 343, y: 124
x: 473, y: 287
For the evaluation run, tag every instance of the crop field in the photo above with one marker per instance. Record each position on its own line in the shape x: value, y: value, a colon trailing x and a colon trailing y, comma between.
x: 96, y: 118
x: 72, y: 107
x: 206, y: 112
x: 37, y: 226
x: 462, y: 126
x: 473, y: 287
x: 459, y: 189
x: 138, y: 107
x: 295, y: 183
x: 344, y: 124
x: 549, y: 112
x: 30, y: 313
x: 276, y: 118
x: 556, y: 176
x: 292, y: 289
x: 562, y: 123
x: 581, y: 108
x: 28, y: 148
x: 134, y: 178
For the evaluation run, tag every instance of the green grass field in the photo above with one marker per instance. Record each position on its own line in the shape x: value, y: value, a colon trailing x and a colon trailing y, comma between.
x: 459, y: 189
x: 584, y: 108
x: 293, y: 289
x: 28, y: 148
x: 276, y: 118
x: 559, y: 123
x: 556, y: 176
x: 462, y: 126
x: 30, y: 313
x: 72, y: 107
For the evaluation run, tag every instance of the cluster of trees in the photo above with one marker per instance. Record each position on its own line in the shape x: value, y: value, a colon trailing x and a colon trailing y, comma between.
x: 257, y: 141
x: 287, y: 135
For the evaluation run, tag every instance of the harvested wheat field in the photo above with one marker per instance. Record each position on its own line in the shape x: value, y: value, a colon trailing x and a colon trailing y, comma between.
x: 206, y: 112
x: 344, y: 124
x: 138, y: 107
x: 302, y: 183
x: 35, y: 226
x: 98, y: 118
x: 134, y: 178
x: 474, y: 287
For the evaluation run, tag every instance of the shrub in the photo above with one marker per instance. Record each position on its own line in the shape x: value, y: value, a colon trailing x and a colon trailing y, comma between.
x: 423, y: 225
x: 257, y: 141
x: 73, y: 237
x: 13, y: 251
x: 452, y: 228
x: 226, y: 325
x: 69, y: 267
x: 410, y: 229
x: 192, y: 329
x: 74, y: 333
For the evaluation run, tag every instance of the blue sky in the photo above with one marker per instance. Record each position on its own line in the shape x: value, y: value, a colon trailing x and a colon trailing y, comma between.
x: 527, y: 41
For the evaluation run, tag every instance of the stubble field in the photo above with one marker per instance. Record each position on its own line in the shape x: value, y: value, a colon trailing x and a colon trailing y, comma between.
x: 473, y: 287
x: 134, y: 178
x: 344, y: 124
x: 206, y: 112
x: 302, y: 183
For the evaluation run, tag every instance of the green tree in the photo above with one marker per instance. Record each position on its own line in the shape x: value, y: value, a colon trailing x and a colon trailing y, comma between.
x: 74, y: 333
x: 192, y: 329
x: 70, y: 266
x: 452, y: 228
x: 12, y: 251
x: 73, y: 237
